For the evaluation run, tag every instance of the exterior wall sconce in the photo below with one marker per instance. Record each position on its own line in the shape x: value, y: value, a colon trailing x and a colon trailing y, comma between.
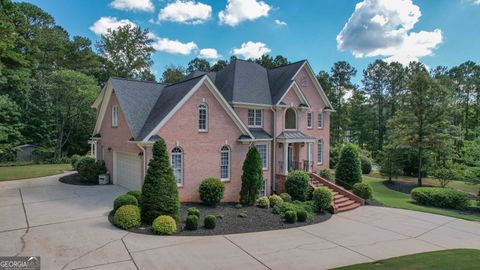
x: 109, y: 148
x: 140, y: 154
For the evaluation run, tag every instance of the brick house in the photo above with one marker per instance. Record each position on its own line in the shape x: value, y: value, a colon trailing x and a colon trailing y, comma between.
x: 209, y: 120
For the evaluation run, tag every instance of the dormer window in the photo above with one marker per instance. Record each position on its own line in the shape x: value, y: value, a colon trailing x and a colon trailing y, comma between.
x: 291, y: 119
x: 255, y: 118
x: 203, y: 117
x: 115, y: 116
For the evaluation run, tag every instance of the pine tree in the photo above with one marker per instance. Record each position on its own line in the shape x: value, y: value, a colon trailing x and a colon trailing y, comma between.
x: 252, y: 177
x: 159, y: 192
x: 349, y: 170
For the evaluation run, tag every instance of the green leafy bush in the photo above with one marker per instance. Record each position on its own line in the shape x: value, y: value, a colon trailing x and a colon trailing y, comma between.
x: 211, y: 191
x: 243, y: 215
x: 325, y: 173
x: 302, y: 215
x: 127, y: 216
x: 252, y: 177
x: 366, y: 164
x: 297, y: 185
x: 274, y: 200
x: 124, y: 199
x: 210, y: 222
x: 191, y: 222
x: 193, y: 211
x: 238, y: 205
x: 296, y: 206
x: 348, y: 170
x: 263, y: 202
x: 362, y: 190
x: 286, y: 197
x: 441, y: 197
x: 322, y: 199
x: 74, y: 160
x: 291, y: 216
x: 88, y: 169
x: 135, y: 193
x: 164, y: 225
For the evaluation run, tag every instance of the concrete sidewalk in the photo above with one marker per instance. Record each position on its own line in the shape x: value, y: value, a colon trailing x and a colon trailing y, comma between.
x: 67, y: 226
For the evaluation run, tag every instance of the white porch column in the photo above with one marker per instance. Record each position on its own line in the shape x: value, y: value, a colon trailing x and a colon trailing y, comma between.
x: 285, y: 158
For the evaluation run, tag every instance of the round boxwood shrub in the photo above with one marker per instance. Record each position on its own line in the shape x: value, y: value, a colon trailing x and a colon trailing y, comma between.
x: 191, y: 223
x: 135, y: 193
x: 164, y: 225
x: 366, y: 164
x: 127, y: 216
x: 362, y: 190
x: 211, y: 191
x: 264, y: 202
x: 348, y: 170
x: 291, y: 216
x: 193, y: 211
x: 322, y: 199
x: 302, y: 215
x: 297, y: 185
x: 286, y: 197
x: 124, y: 199
x: 274, y: 200
x: 441, y: 197
x: 88, y: 169
x: 210, y: 222
x: 74, y: 159
x: 325, y: 173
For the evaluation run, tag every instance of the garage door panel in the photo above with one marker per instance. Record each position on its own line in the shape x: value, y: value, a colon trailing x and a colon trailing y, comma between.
x: 128, y: 171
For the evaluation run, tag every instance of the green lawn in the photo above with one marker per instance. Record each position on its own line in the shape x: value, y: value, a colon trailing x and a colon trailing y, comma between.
x: 31, y: 171
x: 454, y: 259
x: 395, y: 199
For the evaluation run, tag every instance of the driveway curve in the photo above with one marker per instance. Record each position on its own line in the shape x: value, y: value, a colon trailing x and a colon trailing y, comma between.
x: 67, y: 226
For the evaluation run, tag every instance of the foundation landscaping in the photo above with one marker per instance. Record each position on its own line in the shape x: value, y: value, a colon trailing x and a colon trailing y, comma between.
x: 157, y: 210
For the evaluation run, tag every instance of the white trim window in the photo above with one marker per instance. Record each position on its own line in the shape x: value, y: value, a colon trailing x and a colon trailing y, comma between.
x: 225, y: 163
x: 320, y: 151
x: 177, y: 165
x: 255, y: 117
x: 263, y: 150
x: 203, y: 117
x: 290, y: 119
x: 309, y: 119
x: 263, y: 188
x: 320, y: 120
x: 115, y: 116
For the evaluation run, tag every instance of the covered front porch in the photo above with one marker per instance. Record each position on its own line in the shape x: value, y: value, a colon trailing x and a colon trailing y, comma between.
x: 296, y: 152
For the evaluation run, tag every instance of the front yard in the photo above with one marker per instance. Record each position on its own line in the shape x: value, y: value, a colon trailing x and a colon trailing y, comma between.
x: 32, y: 171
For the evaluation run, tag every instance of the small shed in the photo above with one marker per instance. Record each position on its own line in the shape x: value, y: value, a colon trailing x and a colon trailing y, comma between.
x: 25, y: 152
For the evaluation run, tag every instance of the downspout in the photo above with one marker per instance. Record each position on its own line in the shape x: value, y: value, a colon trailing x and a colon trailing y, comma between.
x: 274, y: 148
x: 144, y: 159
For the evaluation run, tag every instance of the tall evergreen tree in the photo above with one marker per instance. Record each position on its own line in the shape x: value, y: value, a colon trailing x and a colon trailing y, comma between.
x: 349, y: 169
x: 252, y: 177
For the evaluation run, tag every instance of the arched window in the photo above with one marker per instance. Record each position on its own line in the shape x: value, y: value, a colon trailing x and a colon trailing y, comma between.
x: 177, y: 164
x: 225, y: 163
x: 320, y: 151
x: 203, y: 117
x: 290, y: 119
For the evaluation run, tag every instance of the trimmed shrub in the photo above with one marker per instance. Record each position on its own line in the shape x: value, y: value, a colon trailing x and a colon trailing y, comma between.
x: 74, y: 159
x: 243, y: 215
x: 193, y: 211
x: 252, y: 177
x: 159, y: 192
x: 441, y: 197
x: 191, y: 223
x: 286, y: 197
x: 362, y: 190
x: 275, y: 200
x: 302, y: 215
x: 297, y: 185
x: 210, y: 222
x: 325, y: 173
x: 281, y: 209
x: 238, y: 205
x: 127, y: 216
x: 164, y: 225
x: 366, y: 164
x: 88, y: 169
x: 124, y: 199
x: 322, y: 199
x: 348, y: 170
x: 263, y: 202
x: 135, y: 193
x: 291, y: 216
x: 211, y: 191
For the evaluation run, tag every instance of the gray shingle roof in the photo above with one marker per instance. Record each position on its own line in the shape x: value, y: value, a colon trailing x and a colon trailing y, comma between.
x: 260, y: 133
x: 281, y: 78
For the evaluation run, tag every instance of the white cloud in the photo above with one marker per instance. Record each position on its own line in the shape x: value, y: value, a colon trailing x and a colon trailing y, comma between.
x: 476, y: 2
x: 281, y: 23
x: 101, y: 26
x: 237, y: 11
x: 384, y: 28
x: 251, y: 49
x: 142, y: 5
x: 173, y: 46
x: 209, y: 53
x: 188, y: 12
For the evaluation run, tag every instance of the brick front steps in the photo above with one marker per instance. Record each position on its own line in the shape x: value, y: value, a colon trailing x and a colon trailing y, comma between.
x: 343, y: 200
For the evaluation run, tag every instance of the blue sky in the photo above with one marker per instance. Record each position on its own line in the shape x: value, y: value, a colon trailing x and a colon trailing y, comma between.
x: 440, y: 32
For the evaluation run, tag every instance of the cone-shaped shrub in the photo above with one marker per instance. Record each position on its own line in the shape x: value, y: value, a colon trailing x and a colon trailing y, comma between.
x: 159, y: 192
x: 349, y: 170
x: 252, y: 177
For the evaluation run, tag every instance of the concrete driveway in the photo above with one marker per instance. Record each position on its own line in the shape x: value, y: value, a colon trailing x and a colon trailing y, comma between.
x: 67, y: 226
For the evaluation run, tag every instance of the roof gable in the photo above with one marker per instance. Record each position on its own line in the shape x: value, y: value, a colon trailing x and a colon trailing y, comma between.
x: 280, y: 79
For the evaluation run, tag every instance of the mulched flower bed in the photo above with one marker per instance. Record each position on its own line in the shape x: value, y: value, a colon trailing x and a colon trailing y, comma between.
x: 75, y: 179
x: 402, y: 186
x: 228, y: 222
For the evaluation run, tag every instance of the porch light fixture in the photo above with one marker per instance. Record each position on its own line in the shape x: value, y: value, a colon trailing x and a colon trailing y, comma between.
x: 140, y: 154
x: 109, y: 148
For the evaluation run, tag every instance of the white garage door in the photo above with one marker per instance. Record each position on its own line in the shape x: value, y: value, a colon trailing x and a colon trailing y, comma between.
x: 128, y: 171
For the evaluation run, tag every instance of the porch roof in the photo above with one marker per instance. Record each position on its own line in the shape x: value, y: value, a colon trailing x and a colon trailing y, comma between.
x: 294, y: 136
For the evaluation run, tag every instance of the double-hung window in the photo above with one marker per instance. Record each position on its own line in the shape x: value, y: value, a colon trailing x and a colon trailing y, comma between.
x: 225, y: 163
x: 177, y: 165
x: 115, y: 116
x: 263, y: 150
x: 202, y: 117
x: 320, y: 120
x: 255, y: 117
x: 309, y: 119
